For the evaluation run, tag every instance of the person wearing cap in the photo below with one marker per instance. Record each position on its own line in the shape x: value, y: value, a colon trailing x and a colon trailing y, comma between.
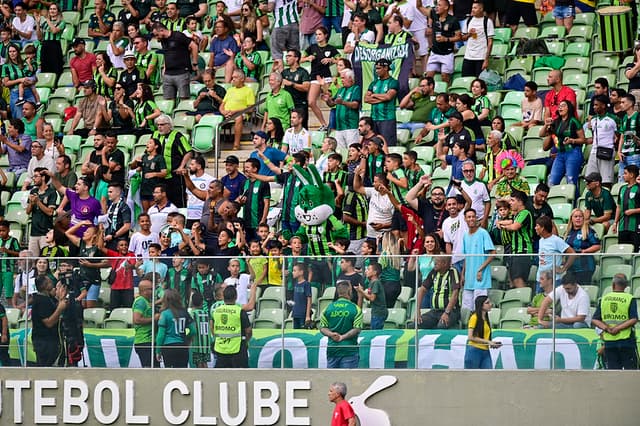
x: 445, y: 32
x: 628, y: 211
x: 100, y: 22
x: 271, y: 154
x: 238, y: 98
x: 38, y: 160
x: 599, y: 203
x: 616, y: 316
x: 233, y: 181
x: 131, y: 76
x: 279, y: 103
x: 87, y: 111
x: 83, y: 64
x: 457, y: 134
x: 382, y: 94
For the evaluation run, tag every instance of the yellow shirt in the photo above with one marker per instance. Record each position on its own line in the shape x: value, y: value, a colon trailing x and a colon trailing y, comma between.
x: 238, y: 98
x: 275, y: 271
x: 486, y: 333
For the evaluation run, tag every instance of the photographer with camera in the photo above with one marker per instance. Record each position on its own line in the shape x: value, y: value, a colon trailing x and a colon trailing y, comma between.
x: 41, y: 206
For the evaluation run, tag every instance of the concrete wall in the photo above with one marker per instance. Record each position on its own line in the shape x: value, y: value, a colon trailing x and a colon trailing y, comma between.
x: 299, y: 397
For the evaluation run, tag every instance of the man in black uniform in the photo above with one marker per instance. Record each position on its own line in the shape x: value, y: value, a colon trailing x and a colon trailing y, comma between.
x: 48, y: 305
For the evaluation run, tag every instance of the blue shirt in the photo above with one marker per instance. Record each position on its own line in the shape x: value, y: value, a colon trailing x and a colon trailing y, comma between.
x: 549, y: 247
x: 274, y: 155
x: 217, y: 48
x: 233, y: 185
x: 479, y: 243
x: 300, y: 293
x: 456, y: 167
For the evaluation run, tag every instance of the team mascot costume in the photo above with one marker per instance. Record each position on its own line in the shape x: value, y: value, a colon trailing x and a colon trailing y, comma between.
x: 319, y: 226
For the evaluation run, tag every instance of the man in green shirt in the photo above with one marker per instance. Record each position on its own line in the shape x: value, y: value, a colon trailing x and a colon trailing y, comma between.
x: 628, y: 211
x: 279, y: 103
x: 382, y: 94
x: 422, y: 100
x: 142, y: 317
x: 628, y: 148
x: 599, y: 203
x: 347, y: 102
x: 375, y: 295
x: 341, y: 322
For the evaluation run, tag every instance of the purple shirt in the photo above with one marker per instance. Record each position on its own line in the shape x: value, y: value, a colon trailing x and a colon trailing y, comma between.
x: 82, y: 209
x: 217, y: 48
x: 19, y: 160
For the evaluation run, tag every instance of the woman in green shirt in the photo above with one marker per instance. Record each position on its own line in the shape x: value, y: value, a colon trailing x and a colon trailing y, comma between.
x: 175, y: 328
x: 105, y: 75
x: 145, y: 110
x: 49, y: 29
x: 482, y: 104
x: 153, y: 170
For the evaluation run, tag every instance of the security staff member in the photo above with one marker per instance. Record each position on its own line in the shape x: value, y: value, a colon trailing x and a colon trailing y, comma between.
x: 616, y: 317
x: 231, y: 330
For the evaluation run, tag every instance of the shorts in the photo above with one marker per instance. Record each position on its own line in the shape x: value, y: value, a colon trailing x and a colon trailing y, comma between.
x: 93, y: 292
x: 387, y: 128
x: 604, y: 167
x: 423, y: 42
x: 176, y: 84
x: 440, y: 63
x: 397, y: 222
x: 32, y: 79
x: 527, y: 11
x: 564, y: 12
x: 284, y: 38
x: 344, y: 138
x: 469, y: 297
x: 519, y: 267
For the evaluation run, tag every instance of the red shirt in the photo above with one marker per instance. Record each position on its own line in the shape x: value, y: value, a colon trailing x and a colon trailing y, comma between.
x: 342, y: 413
x: 553, y: 99
x: 84, y: 66
x: 124, y: 276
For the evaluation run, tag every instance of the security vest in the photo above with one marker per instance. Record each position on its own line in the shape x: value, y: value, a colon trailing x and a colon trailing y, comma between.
x: 227, y: 329
x: 614, y: 308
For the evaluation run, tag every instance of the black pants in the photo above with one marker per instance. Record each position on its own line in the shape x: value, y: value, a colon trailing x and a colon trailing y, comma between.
x: 239, y: 360
x: 176, y: 191
x: 4, y: 353
x: 391, y: 292
x: 431, y: 319
x: 471, y: 68
x: 175, y: 355
x: 618, y: 358
x: 629, y: 237
x: 48, y: 352
x: 121, y: 299
x: 144, y: 353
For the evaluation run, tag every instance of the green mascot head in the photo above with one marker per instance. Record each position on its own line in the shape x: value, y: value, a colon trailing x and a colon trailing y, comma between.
x: 316, y: 202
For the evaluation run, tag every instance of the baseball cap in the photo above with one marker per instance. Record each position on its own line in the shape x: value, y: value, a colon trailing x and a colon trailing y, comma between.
x: 383, y: 62
x: 77, y: 41
x: 593, y: 177
x: 88, y: 83
x: 128, y: 54
x: 456, y: 114
x: 261, y: 134
x: 232, y: 159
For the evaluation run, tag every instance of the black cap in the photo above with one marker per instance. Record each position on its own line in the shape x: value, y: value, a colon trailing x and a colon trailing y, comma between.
x: 383, y: 62
x: 232, y: 159
x: 88, y: 83
x: 455, y: 114
x: 77, y: 41
x: 593, y: 177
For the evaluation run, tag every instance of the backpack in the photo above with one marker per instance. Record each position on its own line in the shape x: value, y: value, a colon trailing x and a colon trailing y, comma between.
x: 516, y: 82
x: 485, y: 20
x: 535, y: 46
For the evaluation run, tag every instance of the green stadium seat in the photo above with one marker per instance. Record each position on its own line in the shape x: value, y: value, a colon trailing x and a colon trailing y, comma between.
x: 71, y: 17
x: 425, y: 153
x: 46, y: 79
x: 605, y: 60
x: 202, y: 138
x: 593, y: 291
x: 317, y: 138
x: 502, y: 35
x: 440, y: 173
x: 440, y: 87
x: 499, y: 50
x: 210, y: 120
x: 585, y: 19
x: 576, y: 80
x: 13, y: 317
x: 538, y: 171
x: 495, y: 295
x: 119, y: 318
x: 521, y: 63
x: 396, y: 318
x: 127, y: 142
x: 514, y: 318
x: 57, y: 107
x: 16, y: 214
x: 578, y: 63
x: 44, y: 93
x: 72, y: 142
x: 65, y: 79
x: 578, y: 49
x: 94, y: 317
x: 499, y: 276
x: 270, y: 318
x: 566, y: 192
x: 403, y: 115
x: 511, y: 112
x: 184, y: 105
x: 516, y: 298
x: 494, y: 317
x: 404, y: 135
x: 494, y: 98
x: 165, y: 105
x: 461, y: 84
x: 526, y: 33
x: 185, y: 121
x: 580, y: 33
x: 65, y: 93
x: 68, y: 33
x: 562, y: 211
x: 555, y: 47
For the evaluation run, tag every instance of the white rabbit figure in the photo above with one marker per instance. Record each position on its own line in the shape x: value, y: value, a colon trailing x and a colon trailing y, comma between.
x: 372, y: 416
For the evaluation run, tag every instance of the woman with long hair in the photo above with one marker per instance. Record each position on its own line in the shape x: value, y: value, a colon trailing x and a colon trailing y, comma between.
x: 564, y: 135
x: 118, y: 113
x: 391, y: 262
x: 153, y: 169
x: 88, y: 249
x: 13, y: 76
x: 424, y: 264
x: 145, y: 110
x: 464, y: 105
x: 321, y: 55
x: 275, y: 131
x: 583, y: 239
x: 49, y: 28
x: 508, y: 141
x: 481, y: 103
x: 479, y: 341
x: 175, y: 327
x: 251, y: 25
x: 53, y: 148
x: 105, y: 75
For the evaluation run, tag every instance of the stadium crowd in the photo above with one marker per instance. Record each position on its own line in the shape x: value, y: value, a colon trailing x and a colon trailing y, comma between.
x: 112, y: 172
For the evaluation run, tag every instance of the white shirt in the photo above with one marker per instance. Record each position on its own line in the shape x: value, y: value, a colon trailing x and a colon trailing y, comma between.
x: 366, y: 37
x: 476, y: 49
x: 479, y: 195
x: 454, y: 229
x: 380, y: 211
x: 159, y: 217
x: 29, y: 24
x: 194, y: 204
x: 604, y: 132
x: 297, y: 142
x: 579, y: 305
x: 409, y: 11
x: 233, y: 5
x: 139, y: 244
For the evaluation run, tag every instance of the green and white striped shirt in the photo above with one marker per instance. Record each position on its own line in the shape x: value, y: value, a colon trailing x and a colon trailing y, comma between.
x: 285, y: 12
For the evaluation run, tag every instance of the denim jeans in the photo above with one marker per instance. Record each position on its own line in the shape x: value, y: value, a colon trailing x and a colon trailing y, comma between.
x: 566, y: 164
x: 16, y: 111
x: 475, y: 358
x: 411, y: 126
x: 628, y: 160
x: 332, y: 21
x: 377, y: 323
x: 351, y: 361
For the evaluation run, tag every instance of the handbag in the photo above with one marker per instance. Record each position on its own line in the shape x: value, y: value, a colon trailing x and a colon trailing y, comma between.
x: 604, y: 153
